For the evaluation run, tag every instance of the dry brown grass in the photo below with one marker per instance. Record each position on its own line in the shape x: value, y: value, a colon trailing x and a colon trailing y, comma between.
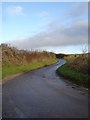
x: 77, y: 69
x: 81, y: 63
x: 13, y: 56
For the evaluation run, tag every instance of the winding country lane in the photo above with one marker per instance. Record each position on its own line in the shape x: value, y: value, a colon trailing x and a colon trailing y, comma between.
x: 42, y: 93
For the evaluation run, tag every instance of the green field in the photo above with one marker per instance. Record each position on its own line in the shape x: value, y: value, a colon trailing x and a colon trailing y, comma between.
x: 9, y: 70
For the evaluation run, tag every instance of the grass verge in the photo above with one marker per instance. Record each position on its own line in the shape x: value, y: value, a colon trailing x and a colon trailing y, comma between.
x: 0, y: 74
x: 74, y: 75
x: 10, y: 70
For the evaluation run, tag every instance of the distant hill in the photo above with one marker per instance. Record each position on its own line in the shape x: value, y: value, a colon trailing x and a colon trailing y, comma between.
x: 61, y: 55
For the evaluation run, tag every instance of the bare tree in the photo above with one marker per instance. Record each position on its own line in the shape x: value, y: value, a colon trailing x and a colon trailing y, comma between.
x: 84, y: 49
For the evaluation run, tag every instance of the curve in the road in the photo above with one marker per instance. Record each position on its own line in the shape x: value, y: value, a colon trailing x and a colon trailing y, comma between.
x: 42, y: 94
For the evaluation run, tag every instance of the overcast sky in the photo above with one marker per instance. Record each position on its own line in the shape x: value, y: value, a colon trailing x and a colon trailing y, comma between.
x: 58, y: 27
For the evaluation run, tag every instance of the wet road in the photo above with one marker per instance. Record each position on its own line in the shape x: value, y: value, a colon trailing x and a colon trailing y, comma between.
x: 43, y: 94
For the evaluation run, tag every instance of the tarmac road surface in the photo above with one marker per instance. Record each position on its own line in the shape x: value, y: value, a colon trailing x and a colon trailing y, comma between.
x: 42, y: 93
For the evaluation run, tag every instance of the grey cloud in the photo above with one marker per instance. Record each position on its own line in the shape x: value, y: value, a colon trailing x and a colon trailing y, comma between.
x: 57, y: 34
x: 73, y: 35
